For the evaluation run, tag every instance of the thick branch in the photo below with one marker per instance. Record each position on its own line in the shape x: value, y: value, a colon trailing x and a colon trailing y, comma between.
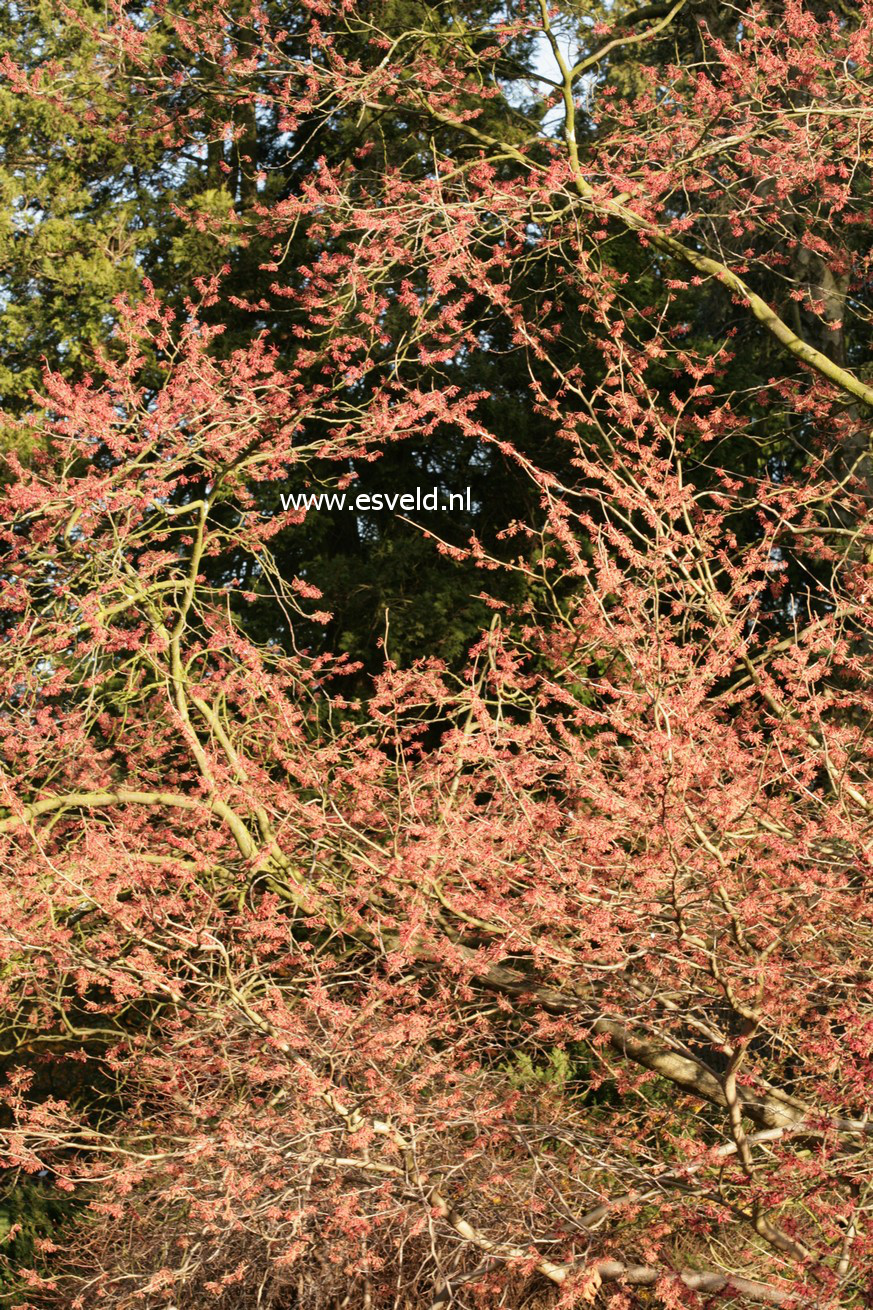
x: 97, y: 800
x: 842, y: 378
x: 772, y: 1110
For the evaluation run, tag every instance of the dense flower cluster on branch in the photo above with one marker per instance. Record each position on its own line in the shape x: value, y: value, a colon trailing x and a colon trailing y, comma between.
x: 542, y: 971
